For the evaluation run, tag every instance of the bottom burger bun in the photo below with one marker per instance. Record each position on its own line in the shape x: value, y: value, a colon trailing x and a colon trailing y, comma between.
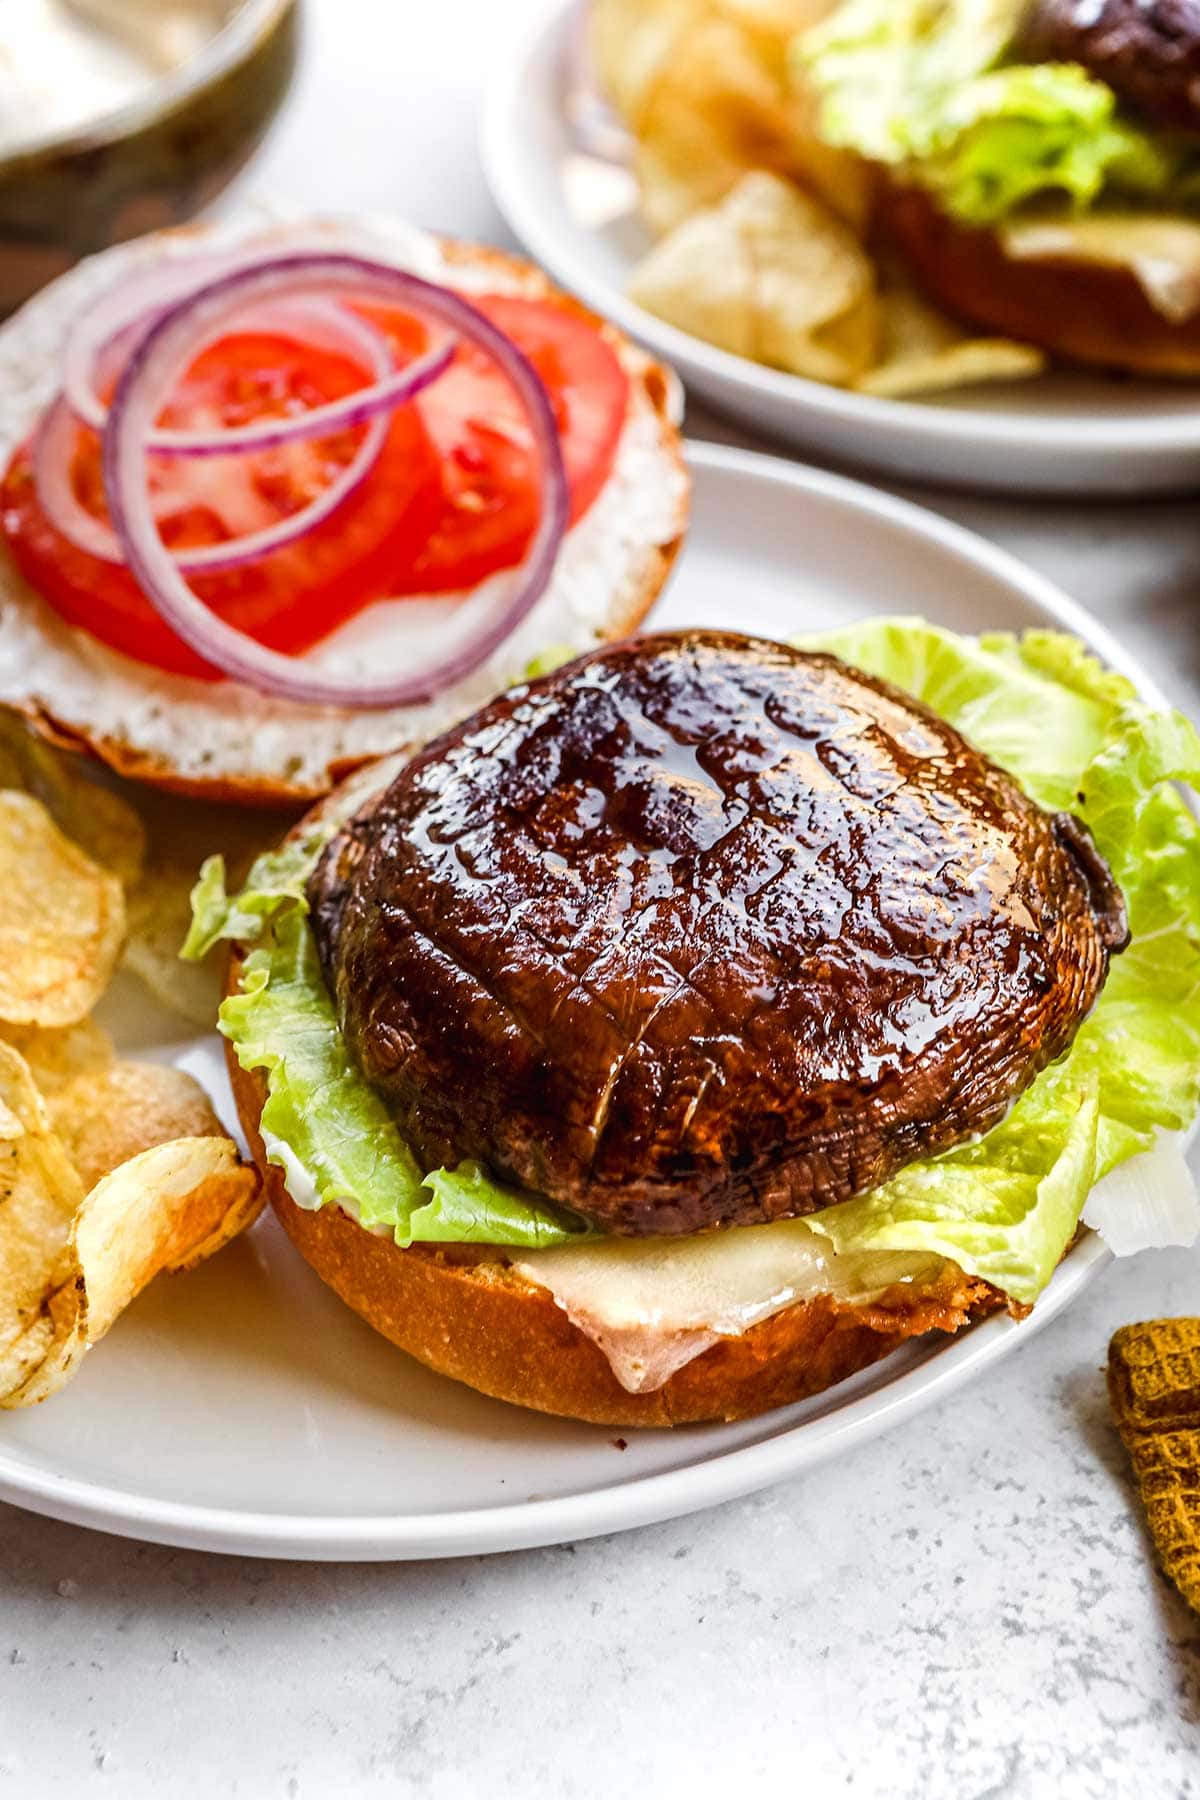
x: 1082, y: 309
x: 465, y: 1313
x: 225, y: 742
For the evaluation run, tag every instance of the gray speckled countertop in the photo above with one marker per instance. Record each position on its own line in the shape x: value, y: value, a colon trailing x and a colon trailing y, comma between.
x: 967, y: 1607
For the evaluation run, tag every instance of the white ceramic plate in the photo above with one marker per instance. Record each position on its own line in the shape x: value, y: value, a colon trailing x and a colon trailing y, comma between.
x: 244, y: 1408
x: 1063, y: 434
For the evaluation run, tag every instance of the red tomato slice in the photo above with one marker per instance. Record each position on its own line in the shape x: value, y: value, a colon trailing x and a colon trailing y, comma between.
x: 452, y: 498
x: 289, y: 600
x: 489, y: 471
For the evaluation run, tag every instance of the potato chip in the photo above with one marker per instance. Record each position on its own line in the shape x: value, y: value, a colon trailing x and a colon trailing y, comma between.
x: 91, y: 814
x: 159, y: 907
x: 635, y: 45
x: 104, y: 1117
x: 775, y: 23
x: 700, y: 279
x: 58, y: 1055
x: 40, y: 1194
x: 166, y: 1209
x: 160, y: 913
x: 630, y: 44
x: 924, y: 352
x: 718, y: 114
x: 62, y: 919
x: 706, y: 88
x: 772, y: 275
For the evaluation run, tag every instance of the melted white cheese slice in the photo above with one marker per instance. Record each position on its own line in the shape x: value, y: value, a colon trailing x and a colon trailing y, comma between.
x: 1161, y: 253
x: 653, y: 1304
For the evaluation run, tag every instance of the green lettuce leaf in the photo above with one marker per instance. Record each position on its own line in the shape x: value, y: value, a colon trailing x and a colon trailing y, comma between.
x: 921, y: 84
x: 335, y: 1126
x: 275, y: 881
x: 1077, y: 737
x: 1027, y: 132
x: 884, y: 68
x: 469, y: 1206
x: 996, y: 1219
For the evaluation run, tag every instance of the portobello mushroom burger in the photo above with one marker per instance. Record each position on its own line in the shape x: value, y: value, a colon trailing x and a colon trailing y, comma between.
x: 695, y: 1023
x: 1040, y: 162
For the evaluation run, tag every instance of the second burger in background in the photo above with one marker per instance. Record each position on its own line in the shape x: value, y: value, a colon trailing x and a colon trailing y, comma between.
x: 1042, y: 163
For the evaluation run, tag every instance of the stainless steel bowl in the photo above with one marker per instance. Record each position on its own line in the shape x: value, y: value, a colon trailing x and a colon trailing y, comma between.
x: 153, y: 162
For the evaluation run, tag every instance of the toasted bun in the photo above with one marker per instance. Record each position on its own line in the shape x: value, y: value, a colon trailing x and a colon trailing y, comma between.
x: 226, y: 742
x: 465, y: 1313
x: 1082, y: 312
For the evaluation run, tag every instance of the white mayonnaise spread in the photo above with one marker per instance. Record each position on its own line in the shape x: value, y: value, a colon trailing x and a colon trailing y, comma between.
x: 296, y: 1178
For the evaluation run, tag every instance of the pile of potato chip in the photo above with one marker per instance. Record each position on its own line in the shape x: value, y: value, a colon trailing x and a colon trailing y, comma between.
x: 762, y: 228
x: 110, y: 1171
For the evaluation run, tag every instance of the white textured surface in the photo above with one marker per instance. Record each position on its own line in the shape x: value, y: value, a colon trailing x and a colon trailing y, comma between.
x: 967, y: 1609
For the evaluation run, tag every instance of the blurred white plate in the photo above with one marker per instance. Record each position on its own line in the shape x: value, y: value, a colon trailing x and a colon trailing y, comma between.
x: 1063, y: 434
x: 243, y: 1408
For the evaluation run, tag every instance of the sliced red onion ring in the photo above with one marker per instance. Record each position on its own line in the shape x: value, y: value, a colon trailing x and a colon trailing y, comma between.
x: 322, y: 323
x: 87, y: 352
x: 54, y: 445
x: 156, y: 363
x: 53, y: 450
x: 318, y: 421
x: 54, y: 442
x: 102, y: 338
x: 121, y: 313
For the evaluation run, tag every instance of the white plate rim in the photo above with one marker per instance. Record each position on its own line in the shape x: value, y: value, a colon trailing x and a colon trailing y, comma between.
x: 531, y: 1524
x: 899, y: 421
x: 724, y: 1475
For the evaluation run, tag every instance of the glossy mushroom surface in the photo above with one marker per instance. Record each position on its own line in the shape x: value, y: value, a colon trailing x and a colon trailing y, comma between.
x: 705, y: 930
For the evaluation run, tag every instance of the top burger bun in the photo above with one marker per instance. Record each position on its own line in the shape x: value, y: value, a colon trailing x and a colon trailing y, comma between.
x: 225, y: 741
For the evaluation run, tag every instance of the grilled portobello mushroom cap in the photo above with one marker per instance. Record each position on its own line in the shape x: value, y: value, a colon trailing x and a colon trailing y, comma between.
x: 705, y: 930
x: 1148, y: 51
